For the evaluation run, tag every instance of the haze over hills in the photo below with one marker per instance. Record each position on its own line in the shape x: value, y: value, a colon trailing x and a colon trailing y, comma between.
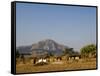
x: 45, y: 45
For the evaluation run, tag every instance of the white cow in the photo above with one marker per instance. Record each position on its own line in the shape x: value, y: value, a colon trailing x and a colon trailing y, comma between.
x: 42, y: 60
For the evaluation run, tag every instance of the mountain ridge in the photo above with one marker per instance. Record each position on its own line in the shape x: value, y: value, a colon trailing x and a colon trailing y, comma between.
x: 44, y: 45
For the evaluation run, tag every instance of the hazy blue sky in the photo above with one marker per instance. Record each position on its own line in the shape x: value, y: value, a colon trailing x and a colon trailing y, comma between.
x: 73, y: 26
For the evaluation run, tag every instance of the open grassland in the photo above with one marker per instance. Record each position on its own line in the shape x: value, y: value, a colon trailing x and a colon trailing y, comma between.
x: 57, y: 66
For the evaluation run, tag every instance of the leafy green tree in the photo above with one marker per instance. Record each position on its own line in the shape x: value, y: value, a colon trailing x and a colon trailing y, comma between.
x: 87, y: 50
x: 69, y: 51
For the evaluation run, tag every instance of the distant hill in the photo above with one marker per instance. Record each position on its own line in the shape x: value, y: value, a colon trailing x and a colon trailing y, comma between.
x: 48, y: 45
x: 24, y: 49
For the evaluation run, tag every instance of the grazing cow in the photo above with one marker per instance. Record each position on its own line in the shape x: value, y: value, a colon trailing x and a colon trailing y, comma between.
x: 44, y: 60
x: 57, y: 58
x: 39, y: 60
x: 74, y: 57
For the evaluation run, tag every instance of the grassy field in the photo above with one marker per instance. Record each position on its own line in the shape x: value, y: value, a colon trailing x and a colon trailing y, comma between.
x: 57, y: 66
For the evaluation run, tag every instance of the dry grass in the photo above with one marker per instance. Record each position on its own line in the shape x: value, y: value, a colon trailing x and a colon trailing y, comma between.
x: 68, y: 65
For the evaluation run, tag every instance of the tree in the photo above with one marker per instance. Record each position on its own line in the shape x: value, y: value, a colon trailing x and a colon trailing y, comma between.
x: 51, y: 54
x: 17, y: 54
x: 88, y: 50
x: 69, y: 51
x: 23, y: 58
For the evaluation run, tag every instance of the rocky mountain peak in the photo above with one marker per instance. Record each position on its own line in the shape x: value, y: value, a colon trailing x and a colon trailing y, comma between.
x: 43, y: 45
x: 48, y: 44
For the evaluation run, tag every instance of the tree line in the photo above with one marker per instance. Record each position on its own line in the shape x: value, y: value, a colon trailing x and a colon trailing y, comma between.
x: 85, y: 51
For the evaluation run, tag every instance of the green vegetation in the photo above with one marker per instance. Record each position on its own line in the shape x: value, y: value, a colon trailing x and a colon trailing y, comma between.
x: 17, y: 54
x: 70, y: 51
x: 88, y: 51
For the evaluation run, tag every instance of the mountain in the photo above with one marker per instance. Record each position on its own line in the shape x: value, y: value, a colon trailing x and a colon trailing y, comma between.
x: 47, y: 45
x: 24, y: 49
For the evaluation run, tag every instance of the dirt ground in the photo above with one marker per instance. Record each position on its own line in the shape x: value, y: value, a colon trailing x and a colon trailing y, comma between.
x: 57, y: 66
